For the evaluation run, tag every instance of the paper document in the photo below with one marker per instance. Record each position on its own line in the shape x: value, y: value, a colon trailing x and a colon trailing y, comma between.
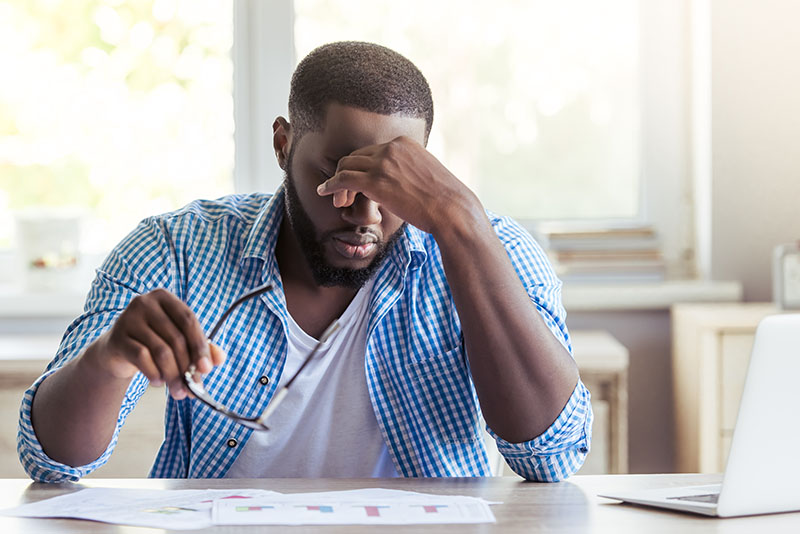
x: 170, y: 509
x: 195, y: 509
x: 354, y: 507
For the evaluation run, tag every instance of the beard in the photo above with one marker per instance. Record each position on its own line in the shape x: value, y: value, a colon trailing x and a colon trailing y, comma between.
x: 324, y: 272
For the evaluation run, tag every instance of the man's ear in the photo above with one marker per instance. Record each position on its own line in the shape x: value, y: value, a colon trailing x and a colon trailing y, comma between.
x: 282, y: 140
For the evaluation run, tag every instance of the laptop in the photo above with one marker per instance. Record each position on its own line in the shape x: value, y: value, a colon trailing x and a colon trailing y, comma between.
x: 762, y: 475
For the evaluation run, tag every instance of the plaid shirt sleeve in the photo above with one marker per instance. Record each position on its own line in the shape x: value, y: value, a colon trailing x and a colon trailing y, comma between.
x: 561, y: 449
x: 114, y: 286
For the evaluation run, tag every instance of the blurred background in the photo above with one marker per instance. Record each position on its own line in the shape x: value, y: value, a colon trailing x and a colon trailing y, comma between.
x: 650, y: 146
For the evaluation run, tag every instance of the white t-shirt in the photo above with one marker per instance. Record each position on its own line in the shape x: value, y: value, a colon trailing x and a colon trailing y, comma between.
x: 325, y: 427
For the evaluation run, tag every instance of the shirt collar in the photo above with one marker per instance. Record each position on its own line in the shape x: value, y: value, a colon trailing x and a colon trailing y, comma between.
x: 263, y: 236
x: 409, y: 251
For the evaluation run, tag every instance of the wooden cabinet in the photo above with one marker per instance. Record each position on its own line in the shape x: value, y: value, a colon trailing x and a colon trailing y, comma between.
x: 711, y: 345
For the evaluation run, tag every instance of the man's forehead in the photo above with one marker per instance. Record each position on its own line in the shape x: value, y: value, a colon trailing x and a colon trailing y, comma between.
x: 348, y: 128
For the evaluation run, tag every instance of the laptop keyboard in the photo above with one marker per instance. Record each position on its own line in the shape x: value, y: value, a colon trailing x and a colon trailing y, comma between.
x: 709, y: 497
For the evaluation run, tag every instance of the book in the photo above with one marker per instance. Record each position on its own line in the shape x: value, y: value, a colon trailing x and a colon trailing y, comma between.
x: 580, y: 252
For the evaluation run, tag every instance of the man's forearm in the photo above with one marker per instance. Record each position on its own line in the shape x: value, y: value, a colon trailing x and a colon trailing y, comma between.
x: 522, y: 373
x: 75, y: 410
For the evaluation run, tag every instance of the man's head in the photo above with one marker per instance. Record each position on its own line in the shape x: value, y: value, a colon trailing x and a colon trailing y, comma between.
x: 361, y: 75
x: 345, y: 96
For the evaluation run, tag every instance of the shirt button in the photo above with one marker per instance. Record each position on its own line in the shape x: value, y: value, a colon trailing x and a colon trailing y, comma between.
x: 264, y: 380
x: 232, y: 443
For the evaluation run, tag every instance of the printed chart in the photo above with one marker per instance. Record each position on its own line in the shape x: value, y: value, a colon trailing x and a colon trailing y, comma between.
x: 369, y: 507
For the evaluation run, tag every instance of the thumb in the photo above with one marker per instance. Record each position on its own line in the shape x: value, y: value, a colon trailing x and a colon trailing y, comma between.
x: 217, y: 354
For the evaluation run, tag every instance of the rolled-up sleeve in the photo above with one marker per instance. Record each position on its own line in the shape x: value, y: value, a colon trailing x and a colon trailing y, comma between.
x: 560, y: 450
x: 41, y: 467
x: 120, y: 279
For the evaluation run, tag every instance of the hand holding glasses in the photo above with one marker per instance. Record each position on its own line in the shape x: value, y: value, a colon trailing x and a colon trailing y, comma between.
x: 256, y: 423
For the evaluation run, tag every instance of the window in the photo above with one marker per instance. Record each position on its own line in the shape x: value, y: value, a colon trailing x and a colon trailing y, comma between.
x: 570, y: 110
x: 120, y: 108
x: 536, y: 102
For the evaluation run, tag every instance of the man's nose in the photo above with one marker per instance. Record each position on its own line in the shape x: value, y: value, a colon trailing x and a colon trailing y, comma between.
x: 362, y: 212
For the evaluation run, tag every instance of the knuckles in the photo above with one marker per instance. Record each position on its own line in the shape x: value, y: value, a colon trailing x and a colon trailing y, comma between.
x: 145, y: 301
x: 161, y: 353
x: 186, y: 318
x: 140, y: 354
x: 157, y: 294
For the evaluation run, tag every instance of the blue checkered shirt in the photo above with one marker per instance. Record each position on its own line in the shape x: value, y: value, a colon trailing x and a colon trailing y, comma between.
x: 417, y: 374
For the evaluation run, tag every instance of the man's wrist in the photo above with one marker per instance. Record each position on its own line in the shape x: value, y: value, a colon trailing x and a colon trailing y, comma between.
x: 462, y: 225
x: 94, y: 361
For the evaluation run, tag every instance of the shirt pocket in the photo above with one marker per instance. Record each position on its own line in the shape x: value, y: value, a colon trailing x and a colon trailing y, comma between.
x: 446, y: 392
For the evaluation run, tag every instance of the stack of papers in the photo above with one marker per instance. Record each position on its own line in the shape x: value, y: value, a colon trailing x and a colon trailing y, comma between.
x: 193, y: 509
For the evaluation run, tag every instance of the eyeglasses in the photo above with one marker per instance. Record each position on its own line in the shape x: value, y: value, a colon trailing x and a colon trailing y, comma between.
x: 256, y: 423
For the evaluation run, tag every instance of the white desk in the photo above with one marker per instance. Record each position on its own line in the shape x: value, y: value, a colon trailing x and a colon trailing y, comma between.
x: 570, y: 506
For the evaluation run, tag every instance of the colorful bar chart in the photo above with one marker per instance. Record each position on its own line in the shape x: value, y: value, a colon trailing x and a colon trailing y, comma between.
x: 355, y: 507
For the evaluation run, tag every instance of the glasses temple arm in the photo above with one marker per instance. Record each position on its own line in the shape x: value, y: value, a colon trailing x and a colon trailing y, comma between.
x: 250, y: 294
x: 281, y: 393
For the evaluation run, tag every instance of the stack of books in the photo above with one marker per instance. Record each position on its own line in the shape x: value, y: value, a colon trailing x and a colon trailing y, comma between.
x: 592, y: 254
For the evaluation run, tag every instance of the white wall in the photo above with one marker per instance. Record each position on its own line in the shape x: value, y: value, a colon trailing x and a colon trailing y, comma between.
x: 755, y: 138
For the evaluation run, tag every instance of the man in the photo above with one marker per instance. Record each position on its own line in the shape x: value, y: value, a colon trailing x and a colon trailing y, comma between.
x: 446, y: 313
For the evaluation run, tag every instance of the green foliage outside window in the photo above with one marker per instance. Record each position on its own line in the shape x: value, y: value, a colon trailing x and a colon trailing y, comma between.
x: 119, y: 108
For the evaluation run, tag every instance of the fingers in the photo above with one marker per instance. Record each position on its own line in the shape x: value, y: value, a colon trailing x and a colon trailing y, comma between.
x: 341, y: 181
x: 355, y: 162
x: 217, y: 354
x: 140, y: 356
x: 344, y: 186
x: 173, y: 359
x: 158, y: 354
x: 189, y: 332
x: 344, y: 198
x: 159, y: 335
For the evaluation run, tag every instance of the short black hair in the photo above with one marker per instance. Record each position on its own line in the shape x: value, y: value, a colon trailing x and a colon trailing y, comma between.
x: 358, y: 74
